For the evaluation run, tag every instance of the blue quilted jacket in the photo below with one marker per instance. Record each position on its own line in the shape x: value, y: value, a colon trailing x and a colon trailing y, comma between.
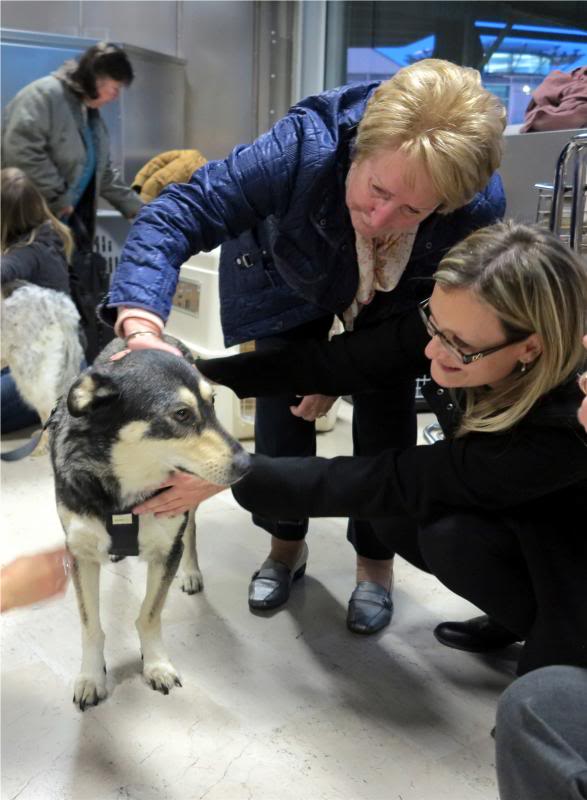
x: 278, y: 205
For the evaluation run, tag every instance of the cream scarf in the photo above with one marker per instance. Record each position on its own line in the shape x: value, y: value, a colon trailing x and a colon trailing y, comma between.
x: 381, y: 265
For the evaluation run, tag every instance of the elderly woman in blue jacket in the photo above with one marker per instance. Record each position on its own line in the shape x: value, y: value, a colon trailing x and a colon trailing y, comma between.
x: 342, y: 208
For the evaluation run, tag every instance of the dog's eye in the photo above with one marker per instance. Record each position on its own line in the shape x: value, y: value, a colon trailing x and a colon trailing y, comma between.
x: 183, y: 414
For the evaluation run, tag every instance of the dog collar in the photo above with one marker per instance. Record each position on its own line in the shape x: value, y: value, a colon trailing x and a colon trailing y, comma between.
x: 123, y: 527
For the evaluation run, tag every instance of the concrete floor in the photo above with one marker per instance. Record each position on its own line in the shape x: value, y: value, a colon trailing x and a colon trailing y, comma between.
x: 287, y: 705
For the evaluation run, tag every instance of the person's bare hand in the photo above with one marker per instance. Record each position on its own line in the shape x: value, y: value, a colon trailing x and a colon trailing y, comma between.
x: 143, y: 335
x: 30, y: 579
x: 153, y: 343
x: 583, y: 413
x: 65, y: 212
x: 583, y: 385
x: 184, y: 493
x: 313, y: 406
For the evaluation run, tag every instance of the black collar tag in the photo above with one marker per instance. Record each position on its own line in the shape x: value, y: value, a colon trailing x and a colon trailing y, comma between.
x: 124, y: 533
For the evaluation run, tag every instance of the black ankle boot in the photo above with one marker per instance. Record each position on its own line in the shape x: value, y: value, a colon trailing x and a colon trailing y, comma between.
x: 477, y: 635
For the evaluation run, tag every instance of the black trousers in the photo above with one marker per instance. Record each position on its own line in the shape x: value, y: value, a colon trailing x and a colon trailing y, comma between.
x: 526, y: 571
x: 278, y: 432
x: 381, y: 420
x: 476, y: 556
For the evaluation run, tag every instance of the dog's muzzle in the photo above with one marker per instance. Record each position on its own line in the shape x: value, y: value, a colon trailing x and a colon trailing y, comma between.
x: 241, y: 464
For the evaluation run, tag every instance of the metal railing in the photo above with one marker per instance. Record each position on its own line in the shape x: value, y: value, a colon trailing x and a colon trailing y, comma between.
x: 565, y: 199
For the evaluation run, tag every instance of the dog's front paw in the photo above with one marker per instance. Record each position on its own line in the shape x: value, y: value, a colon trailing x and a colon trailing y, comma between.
x: 161, y: 676
x: 88, y: 691
x: 192, y: 582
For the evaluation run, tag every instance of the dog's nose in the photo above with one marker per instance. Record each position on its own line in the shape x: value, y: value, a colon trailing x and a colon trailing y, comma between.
x: 241, y: 462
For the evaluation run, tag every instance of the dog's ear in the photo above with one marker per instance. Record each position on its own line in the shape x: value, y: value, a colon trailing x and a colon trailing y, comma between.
x: 90, y: 389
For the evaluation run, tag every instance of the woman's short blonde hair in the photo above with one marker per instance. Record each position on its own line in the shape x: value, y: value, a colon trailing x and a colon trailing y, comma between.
x: 440, y: 115
x: 535, y: 284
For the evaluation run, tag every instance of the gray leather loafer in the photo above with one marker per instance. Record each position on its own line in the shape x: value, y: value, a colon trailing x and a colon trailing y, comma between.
x: 370, y: 608
x: 270, y: 585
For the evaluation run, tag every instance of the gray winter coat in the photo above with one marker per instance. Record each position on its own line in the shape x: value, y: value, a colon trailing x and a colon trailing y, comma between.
x: 41, y: 134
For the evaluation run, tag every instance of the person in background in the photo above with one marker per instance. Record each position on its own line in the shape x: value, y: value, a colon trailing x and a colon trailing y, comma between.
x: 30, y: 579
x: 35, y: 247
x: 343, y: 207
x: 52, y: 130
x: 541, y: 736
x: 495, y: 509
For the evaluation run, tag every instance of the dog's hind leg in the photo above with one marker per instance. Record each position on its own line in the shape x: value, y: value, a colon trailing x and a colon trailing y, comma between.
x: 90, y: 685
x: 158, y: 670
x: 191, y: 577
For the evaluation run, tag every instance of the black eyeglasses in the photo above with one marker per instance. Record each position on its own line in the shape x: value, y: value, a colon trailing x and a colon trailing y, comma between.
x: 446, y: 341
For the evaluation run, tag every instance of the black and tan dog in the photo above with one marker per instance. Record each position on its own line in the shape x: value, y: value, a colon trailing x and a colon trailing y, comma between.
x: 122, y: 429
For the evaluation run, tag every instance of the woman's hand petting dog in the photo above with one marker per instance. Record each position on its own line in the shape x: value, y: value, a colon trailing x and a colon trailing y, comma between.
x: 313, y: 406
x: 143, y: 335
x: 30, y: 579
x: 152, y: 341
x: 184, y: 493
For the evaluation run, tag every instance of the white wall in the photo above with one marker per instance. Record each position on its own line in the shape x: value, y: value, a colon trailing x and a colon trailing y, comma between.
x: 215, y: 38
x: 145, y: 24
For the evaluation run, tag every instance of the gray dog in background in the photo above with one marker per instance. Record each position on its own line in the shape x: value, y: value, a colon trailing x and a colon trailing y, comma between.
x: 40, y: 343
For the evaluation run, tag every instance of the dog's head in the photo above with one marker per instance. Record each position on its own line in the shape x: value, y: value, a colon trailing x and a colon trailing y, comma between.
x: 154, y: 410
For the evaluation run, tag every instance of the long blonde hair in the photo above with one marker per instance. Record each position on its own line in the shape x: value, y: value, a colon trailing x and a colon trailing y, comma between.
x: 535, y: 284
x: 441, y: 117
x: 24, y: 211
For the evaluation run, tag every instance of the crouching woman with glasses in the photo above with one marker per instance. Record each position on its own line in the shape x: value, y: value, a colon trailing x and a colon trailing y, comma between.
x: 497, y: 509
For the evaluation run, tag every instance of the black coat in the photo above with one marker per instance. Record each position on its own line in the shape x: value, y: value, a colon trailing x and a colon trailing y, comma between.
x: 534, y: 474
x: 43, y: 262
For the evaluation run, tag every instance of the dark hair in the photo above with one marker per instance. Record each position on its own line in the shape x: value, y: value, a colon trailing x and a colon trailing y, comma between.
x: 104, y: 60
